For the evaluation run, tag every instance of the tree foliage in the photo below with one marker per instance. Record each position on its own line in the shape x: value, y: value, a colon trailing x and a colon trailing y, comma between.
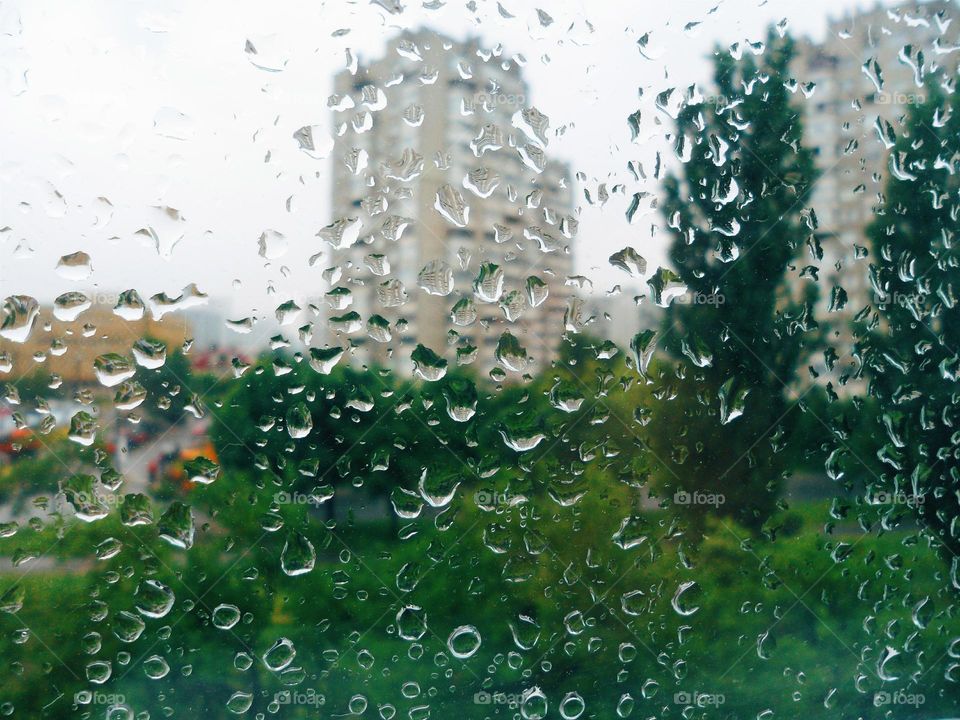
x: 738, y: 222
x: 910, y: 342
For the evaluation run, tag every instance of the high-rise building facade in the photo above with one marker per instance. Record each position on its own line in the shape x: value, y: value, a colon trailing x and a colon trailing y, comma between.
x: 451, y: 226
x: 867, y: 72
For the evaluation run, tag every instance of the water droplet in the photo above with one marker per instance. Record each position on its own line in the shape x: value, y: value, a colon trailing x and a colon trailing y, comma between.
x: 884, y: 671
x: 239, y: 702
x: 149, y: 354
x: 129, y: 305
x: 323, y: 360
x: 69, y: 306
x: 427, y: 364
x: 112, y: 369
x: 201, y: 470
x: 481, y: 182
x: 464, y: 642
x: 99, y: 671
x: 314, y: 141
x: 438, y: 487
x: 533, y: 704
x: 299, y: 421
x: 280, y: 655
x: 75, y: 266
x: 461, y: 397
x: 732, y: 400
x: 511, y: 354
x: 666, y: 286
x: 176, y: 525
x: 449, y: 203
x: 128, y: 627
x: 411, y: 623
x: 154, y: 599
x: 572, y: 706
x: 537, y: 291
x: 436, y: 278
x: 82, y: 493
x: 17, y: 317
x: 630, y: 261
x: 675, y: 602
x: 464, y: 313
x: 225, y: 616
x: 155, y: 667
x: 298, y: 556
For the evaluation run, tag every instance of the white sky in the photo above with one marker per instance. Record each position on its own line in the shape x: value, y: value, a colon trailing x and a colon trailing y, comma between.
x: 91, y: 92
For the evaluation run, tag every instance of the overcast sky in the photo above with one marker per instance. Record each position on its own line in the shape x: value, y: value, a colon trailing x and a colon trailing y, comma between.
x: 112, y: 111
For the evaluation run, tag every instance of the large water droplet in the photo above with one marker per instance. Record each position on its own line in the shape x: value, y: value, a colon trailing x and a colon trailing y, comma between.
x: 299, y: 421
x: 411, y: 623
x: 677, y: 602
x: 298, y: 556
x: 464, y: 642
x: 112, y: 369
x: 280, y: 654
x: 225, y: 616
x: 239, y: 702
x: 17, y: 317
x: 176, y: 525
x: 155, y: 667
x: 449, y: 203
x: 154, y: 599
x: 75, y: 266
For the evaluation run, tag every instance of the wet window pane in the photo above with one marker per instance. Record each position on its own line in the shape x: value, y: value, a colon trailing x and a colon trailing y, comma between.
x: 479, y: 360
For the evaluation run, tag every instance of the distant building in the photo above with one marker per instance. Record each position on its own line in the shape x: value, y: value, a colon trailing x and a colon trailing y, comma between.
x: 445, y: 205
x: 866, y: 78
x: 209, y: 327
x: 619, y: 317
x: 68, y: 348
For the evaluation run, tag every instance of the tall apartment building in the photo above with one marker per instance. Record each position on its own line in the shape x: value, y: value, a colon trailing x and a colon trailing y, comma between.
x: 451, y: 225
x: 867, y: 73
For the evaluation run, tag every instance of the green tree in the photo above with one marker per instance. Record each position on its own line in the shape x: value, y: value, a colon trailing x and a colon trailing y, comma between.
x: 172, y: 386
x: 910, y: 343
x: 738, y: 223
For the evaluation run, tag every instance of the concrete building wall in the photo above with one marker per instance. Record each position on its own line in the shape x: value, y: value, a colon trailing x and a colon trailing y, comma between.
x: 842, y: 116
x: 458, y: 90
x: 69, y: 348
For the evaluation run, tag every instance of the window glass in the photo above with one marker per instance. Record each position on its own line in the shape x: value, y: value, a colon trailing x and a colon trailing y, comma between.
x: 482, y: 359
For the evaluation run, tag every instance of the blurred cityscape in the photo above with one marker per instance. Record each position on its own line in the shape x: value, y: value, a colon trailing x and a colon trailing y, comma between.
x: 414, y: 262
